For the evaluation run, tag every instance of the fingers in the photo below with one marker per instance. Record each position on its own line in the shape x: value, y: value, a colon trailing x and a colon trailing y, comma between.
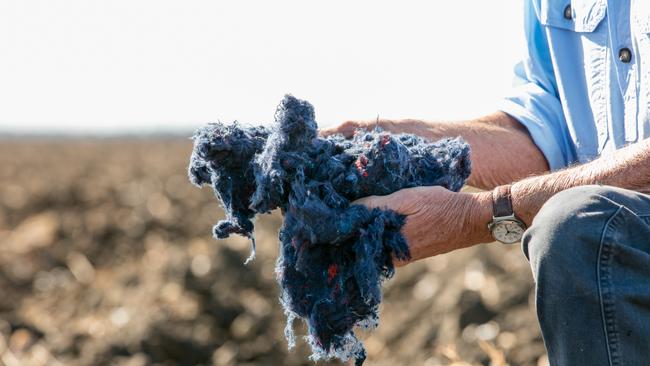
x: 370, y: 202
x: 346, y: 129
x: 407, y: 201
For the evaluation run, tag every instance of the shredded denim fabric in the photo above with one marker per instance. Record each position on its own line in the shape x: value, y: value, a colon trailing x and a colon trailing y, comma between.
x: 333, y: 255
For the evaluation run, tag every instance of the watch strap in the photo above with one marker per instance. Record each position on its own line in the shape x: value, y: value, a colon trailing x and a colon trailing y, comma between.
x: 502, y: 201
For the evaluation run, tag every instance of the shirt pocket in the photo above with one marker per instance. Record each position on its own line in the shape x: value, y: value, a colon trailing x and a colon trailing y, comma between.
x: 581, y: 16
x: 578, y: 40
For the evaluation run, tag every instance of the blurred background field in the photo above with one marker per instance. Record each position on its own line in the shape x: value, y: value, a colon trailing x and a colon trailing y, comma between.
x: 106, y: 258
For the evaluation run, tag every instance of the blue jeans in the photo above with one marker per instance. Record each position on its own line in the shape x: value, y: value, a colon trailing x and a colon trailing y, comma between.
x: 589, y: 249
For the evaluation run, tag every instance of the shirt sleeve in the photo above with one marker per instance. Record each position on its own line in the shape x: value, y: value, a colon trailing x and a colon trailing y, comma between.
x: 534, y: 99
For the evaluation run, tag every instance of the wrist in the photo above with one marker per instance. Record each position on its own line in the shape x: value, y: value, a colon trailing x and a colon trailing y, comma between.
x: 478, y: 216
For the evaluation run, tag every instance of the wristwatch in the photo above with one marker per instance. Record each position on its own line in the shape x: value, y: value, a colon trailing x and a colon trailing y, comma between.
x: 505, y: 226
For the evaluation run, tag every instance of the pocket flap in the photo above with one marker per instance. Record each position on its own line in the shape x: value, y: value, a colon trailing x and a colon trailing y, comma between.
x: 585, y: 14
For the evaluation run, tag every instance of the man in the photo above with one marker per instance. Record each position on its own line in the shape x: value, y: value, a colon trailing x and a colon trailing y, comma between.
x: 581, y: 110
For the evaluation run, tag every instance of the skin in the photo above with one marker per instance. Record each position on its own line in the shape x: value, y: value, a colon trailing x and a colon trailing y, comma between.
x: 502, y: 153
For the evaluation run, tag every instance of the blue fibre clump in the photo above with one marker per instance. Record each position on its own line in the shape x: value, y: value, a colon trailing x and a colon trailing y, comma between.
x: 334, y: 255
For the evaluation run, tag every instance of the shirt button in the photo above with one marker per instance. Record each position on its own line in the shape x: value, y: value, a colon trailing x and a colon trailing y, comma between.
x: 625, y: 55
x: 568, y: 14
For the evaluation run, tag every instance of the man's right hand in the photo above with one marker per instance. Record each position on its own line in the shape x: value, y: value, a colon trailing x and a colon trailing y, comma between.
x: 502, y: 150
x: 412, y: 126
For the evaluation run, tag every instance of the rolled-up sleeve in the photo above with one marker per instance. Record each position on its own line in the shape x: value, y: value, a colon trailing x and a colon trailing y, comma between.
x: 534, y: 99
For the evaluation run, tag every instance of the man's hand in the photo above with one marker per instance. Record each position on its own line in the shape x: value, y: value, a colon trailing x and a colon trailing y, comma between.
x: 438, y: 220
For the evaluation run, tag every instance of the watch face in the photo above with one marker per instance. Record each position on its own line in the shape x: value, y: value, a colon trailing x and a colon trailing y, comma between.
x: 507, y: 231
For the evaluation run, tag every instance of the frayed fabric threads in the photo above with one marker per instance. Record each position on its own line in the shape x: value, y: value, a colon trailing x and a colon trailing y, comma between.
x: 334, y: 255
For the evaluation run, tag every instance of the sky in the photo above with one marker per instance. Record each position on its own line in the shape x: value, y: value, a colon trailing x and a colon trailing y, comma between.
x: 143, y: 66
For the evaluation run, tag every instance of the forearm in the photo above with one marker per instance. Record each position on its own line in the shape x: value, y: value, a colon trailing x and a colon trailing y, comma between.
x: 502, y: 149
x: 627, y: 168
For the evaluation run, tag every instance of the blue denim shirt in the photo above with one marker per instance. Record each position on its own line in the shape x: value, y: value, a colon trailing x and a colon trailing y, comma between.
x: 574, y: 93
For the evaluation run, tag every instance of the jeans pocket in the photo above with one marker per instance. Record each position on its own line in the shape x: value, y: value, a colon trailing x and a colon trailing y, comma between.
x: 624, y: 285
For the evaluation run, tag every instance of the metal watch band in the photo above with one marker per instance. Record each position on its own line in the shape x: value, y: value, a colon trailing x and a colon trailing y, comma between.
x: 502, y: 201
